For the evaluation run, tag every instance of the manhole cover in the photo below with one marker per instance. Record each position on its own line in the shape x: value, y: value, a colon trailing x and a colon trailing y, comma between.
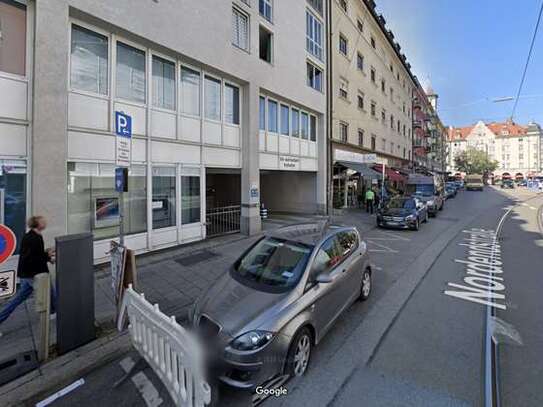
x: 196, y: 257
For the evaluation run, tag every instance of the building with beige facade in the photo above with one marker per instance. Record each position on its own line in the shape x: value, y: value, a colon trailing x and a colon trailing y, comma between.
x: 516, y: 148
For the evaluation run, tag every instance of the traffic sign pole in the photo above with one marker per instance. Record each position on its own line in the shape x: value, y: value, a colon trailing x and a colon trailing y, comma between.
x: 123, y: 157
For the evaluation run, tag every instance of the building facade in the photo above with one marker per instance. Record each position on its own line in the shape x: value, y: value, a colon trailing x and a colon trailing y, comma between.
x: 228, y: 108
x: 516, y: 148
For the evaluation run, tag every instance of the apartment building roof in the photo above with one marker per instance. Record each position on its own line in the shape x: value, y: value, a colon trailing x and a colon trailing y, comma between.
x: 507, y: 129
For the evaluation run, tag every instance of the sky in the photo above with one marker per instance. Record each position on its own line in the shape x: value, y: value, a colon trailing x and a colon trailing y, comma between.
x: 472, y: 51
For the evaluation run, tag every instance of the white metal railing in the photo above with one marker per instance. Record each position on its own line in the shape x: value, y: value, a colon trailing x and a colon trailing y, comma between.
x: 223, y: 220
x: 173, y: 353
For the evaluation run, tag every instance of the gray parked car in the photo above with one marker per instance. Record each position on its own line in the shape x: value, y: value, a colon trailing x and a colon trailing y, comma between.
x: 280, y: 298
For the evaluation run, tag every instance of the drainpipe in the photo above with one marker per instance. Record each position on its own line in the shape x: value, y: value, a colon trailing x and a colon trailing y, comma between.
x: 329, y: 109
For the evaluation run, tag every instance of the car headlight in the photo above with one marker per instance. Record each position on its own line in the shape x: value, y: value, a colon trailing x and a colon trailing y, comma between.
x: 431, y: 203
x: 252, y: 340
x: 411, y: 217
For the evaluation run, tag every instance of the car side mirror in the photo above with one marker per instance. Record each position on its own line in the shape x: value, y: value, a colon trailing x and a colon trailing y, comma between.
x: 324, y: 278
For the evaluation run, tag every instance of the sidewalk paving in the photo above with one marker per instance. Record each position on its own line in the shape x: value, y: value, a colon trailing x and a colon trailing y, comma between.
x: 173, y: 278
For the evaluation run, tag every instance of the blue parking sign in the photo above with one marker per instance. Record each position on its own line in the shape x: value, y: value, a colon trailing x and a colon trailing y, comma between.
x: 123, y: 124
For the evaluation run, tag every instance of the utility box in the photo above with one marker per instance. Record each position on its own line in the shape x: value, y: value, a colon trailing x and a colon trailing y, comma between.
x: 75, y: 291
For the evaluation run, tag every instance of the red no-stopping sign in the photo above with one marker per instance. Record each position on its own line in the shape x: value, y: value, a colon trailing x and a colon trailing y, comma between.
x: 7, y: 243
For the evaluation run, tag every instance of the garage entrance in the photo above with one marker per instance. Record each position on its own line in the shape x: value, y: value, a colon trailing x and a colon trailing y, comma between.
x: 289, y: 191
x: 223, y: 201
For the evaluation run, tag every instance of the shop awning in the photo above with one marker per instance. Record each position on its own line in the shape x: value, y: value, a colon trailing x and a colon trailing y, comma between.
x: 363, y: 169
x: 391, y: 174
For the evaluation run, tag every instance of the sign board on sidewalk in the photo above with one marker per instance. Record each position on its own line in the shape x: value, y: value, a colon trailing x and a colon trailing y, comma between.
x: 123, y: 140
x: 123, y: 272
x: 7, y: 283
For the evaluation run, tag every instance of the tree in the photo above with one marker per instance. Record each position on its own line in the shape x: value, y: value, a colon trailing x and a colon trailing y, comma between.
x: 474, y: 161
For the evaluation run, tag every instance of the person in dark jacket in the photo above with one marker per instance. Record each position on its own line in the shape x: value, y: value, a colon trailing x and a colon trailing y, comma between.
x: 33, y: 259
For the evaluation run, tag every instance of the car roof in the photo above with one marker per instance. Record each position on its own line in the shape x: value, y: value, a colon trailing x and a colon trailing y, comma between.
x: 310, y: 233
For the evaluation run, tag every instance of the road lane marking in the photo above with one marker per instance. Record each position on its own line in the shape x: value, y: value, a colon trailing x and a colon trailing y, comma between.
x: 61, y: 393
x: 382, y: 247
x: 145, y: 387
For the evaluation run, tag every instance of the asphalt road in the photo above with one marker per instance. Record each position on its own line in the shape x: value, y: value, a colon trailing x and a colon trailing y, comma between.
x: 410, y: 344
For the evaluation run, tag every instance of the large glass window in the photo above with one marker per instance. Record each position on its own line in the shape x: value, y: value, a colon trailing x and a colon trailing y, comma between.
x: 285, y: 115
x: 13, y: 37
x: 313, y: 35
x: 94, y: 205
x: 163, y: 203
x: 130, y: 73
x: 190, y: 91
x: 190, y: 199
x: 314, y: 77
x: 305, y: 126
x: 89, y: 61
x: 13, y: 196
x: 272, y: 116
x: 262, y: 113
x: 265, y: 8
x: 231, y: 105
x: 212, y: 95
x: 313, y: 128
x: 295, y: 123
x: 163, y: 83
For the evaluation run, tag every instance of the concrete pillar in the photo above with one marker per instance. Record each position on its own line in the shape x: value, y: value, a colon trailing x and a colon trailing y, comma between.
x: 250, y: 222
x: 49, y: 141
x: 322, y: 166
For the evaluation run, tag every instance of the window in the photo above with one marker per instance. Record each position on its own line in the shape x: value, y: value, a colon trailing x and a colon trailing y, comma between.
x: 317, y: 5
x: 373, y: 139
x: 313, y: 35
x: 212, y: 98
x: 403, y: 132
x: 265, y: 44
x: 360, y: 101
x: 130, y: 73
x: 262, y: 113
x: 398, y: 127
x: 314, y: 77
x: 240, y: 29
x: 343, y: 5
x: 231, y: 104
x: 190, y: 199
x: 93, y: 203
x: 372, y: 41
x: 343, y: 88
x: 343, y: 131
x: 372, y: 74
x: 360, y: 62
x: 392, y: 94
x: 13, y: 39
x: 163, y: 202
x: 383, y: 85
x: 360, y: 26
x: 391, y: 147
x: 343, y: 44
x: 313, y: 128
x: 88, y: 62
x: 272, y: 116
x: 373, y: 109
x: 383, y: 145
x: 163, y: 83
x: 392, y: 122
x: 190, y: 91
x: 265, y: 9
x: 383, y: 116
x: 305, y: 126
x: 360, y: 137
x: 404, y: 152
x: 13, y: 184
x: 295, y: 123
x: 285, y: 116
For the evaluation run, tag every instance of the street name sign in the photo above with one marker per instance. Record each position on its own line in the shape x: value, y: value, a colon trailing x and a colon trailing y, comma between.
x: 123, y: 139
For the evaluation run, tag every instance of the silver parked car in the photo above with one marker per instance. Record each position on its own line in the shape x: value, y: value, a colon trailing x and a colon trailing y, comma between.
x: 280, y: 298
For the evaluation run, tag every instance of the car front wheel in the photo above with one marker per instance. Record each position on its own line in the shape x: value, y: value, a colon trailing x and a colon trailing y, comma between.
x: 299, y: 353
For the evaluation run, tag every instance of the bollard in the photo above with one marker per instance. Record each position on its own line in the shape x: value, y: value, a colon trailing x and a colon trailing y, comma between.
x: 263, y: 212
x: 42, y: 292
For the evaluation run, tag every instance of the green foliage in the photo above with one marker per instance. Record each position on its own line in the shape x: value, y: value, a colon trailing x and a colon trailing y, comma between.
x: 473, y: 161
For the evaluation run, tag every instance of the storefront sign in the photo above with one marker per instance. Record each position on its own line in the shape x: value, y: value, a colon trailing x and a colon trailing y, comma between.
x: 123, y: 141
x: 7, y: 283
x: 342, y: 155
x: 287, y: 162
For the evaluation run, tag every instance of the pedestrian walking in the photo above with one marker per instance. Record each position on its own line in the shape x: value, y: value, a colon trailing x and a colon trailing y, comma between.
x: 370, y: 198
x: 33, y: 259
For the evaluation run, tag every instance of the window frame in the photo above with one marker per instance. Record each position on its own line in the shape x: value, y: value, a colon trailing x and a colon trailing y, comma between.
x: 312, y: 19
x: 270, y: 4
x: 314, y: 69
x: 346, y: 41
x: 237, y: 10
x: 226, y: 84
x: 270, y: 33
x: 177, y: 82
x: 146, y: 53
x: 201, y: 74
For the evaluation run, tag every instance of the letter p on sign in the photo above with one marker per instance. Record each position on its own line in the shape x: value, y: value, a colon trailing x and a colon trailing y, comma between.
x: 123, y: 124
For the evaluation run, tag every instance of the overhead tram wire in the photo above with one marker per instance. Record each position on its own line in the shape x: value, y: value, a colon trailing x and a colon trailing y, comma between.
x: 527, y: 61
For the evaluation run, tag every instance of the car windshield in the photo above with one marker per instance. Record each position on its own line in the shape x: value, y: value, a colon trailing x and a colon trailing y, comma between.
x: 424, y: 190
x: 273, y: 263
x: 401, y: 203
